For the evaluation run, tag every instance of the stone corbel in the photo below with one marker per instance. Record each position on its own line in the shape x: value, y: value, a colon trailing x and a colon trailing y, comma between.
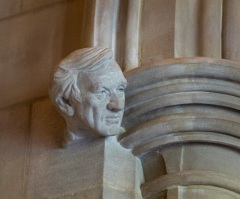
x: 182, y: 118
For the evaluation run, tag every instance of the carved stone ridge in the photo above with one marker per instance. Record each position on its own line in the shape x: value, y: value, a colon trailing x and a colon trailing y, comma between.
x: 182, y: 120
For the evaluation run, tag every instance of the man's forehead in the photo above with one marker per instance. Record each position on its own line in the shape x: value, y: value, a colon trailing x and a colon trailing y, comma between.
x: 103, y: 77
x: 110, y: 77
x: 107, y: 70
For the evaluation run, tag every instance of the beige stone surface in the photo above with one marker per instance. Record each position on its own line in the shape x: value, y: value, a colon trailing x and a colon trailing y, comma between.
x: 30, y: 4
x: 199, y: 192
x: 87, y: 34
x: 158, y: 19
x: 73, y: 27
x: 190, y: 157
x: 46, y: 129
x: 30, y: 45
x: 105, y: 23
x: 9, y: 7
x: 95, y: 192
x: 172, y: 193
x: 194, y: 178
x: 122, y: 171
x: 110, y: 192
x: 231, y: 30
x: 100, y: 22
x: 14, y: 138
x: 198, y: 25
x: 133, y: 34
x: 97, y: 169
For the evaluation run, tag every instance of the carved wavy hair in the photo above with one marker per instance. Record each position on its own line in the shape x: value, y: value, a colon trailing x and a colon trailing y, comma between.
x: 64, y: 80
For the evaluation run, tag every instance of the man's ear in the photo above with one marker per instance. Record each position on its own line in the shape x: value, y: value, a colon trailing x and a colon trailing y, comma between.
x: 65, y: 106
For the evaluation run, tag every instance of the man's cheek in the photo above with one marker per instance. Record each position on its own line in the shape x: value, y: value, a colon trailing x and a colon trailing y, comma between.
x: 96, y: 116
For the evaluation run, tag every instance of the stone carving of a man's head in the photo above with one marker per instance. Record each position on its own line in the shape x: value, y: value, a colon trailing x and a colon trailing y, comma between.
x: 88, y: 90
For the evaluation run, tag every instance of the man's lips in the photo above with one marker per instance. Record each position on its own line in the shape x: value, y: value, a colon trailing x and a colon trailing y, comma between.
x: 112, y: 119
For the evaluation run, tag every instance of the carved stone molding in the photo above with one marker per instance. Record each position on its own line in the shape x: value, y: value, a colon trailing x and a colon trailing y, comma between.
x: 182, y: 118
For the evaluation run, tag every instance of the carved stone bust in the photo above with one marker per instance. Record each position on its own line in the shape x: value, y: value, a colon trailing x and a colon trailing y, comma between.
x: 87, y: 88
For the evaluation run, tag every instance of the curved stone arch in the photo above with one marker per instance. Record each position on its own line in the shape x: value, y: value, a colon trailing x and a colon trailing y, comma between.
x: 179, y: 107
x: 188, y: 178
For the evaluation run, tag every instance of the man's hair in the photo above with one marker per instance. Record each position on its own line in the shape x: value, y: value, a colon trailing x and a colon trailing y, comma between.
x: 64, y: 80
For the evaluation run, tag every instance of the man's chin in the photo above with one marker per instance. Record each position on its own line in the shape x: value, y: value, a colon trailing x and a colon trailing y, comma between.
x: 111, y: 131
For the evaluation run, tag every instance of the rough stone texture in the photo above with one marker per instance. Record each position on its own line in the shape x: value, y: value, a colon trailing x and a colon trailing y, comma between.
x: 198, y: 25
x: 9, y: 7
x: 22, y: 56
x: 25, y: 66
x: 30, y: 4
x: 14, y: 138
x: 105, y: 20
x: 73, y: 26
x: 194, y: 157
x: 97, y: 169
x: 199, y: 192
x: 231, y: 30
x: 122, y: 172
x: 133, y: 34
x: 157, y: 35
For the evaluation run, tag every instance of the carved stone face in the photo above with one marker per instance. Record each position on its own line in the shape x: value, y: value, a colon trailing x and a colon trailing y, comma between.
x: 102, y: 99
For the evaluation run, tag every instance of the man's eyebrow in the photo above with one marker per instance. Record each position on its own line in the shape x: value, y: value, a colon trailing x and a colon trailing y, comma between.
x: 124, y: 83
x: 96, y: 86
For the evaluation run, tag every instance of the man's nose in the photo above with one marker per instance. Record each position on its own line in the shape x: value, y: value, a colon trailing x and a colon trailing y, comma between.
x: 115, y: 104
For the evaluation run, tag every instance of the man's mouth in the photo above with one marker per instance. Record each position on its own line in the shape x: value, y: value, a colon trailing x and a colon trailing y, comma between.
x: 112, y: 120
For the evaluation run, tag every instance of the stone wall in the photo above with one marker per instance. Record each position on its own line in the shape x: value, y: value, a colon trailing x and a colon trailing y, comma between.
x: 34, y: 36
x: 146, y: 31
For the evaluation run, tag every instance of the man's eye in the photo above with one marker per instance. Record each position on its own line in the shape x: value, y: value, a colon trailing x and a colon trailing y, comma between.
x: 101, y: 94
x: 100, y: 91
x: 121, y: 89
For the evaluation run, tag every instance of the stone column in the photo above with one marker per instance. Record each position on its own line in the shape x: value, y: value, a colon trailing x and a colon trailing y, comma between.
x: 198, y: 27
x: 183, y: 121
